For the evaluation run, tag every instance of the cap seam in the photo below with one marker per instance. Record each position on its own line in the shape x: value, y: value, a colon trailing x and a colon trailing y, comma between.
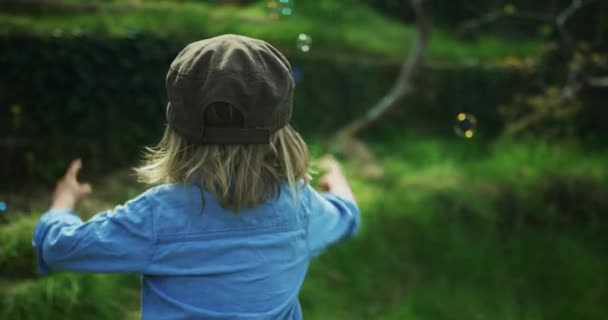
x: 222, y: 72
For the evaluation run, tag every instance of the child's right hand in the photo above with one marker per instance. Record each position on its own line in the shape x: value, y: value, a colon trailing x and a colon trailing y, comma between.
x: 331, y: 172
x: 69, y: 190
x: 334, y: 180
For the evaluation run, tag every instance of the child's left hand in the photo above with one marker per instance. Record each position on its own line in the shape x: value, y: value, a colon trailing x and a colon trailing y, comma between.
x: 69, y: 190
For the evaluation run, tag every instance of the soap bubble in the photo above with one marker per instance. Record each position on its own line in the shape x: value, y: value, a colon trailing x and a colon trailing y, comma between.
x: 132, y: 32
x: 510, y: 9
x: 3, y: 206
x: 304, y: 42
x: 465, y: 125
x: 279, y: 8
x: 57, y: 33
x: 77, y: 32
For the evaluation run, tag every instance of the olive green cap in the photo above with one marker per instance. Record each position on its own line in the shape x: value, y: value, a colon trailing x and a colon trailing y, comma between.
x: 249, y: 74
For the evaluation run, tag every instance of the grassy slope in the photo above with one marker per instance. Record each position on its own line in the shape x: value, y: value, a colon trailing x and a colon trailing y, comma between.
x: 353, y: 32
x: 24, y: 295
x: 445, y: 243
x: 440, y: 245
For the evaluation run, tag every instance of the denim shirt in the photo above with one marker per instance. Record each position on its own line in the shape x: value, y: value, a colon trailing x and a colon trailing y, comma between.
x: 199, y: 260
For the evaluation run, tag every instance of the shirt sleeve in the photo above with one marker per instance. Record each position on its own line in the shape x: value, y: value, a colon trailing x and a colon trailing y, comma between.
x: 118, y: 240
x: 331, y: 219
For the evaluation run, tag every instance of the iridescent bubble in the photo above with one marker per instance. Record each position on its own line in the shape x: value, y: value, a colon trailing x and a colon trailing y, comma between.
x: 279, y: 8
x: 3, y: 206
x: 57, y: 33
x: 132, y: 32
x: 304, y: 42
x: 465, y: 124
x: 77, y: 32
x: 510, y: 9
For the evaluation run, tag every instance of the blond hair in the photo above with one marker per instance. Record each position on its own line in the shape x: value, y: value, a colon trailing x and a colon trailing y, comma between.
x: 236, y: 175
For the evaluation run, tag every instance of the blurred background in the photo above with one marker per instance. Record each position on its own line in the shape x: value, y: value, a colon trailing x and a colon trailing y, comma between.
x: 480, y: 167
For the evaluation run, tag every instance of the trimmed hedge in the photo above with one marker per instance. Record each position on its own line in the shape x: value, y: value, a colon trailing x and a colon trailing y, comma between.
x: 103, y: 98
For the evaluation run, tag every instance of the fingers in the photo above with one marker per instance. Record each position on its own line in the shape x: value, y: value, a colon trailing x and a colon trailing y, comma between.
x: 308, y: 178
x: 323, y: 184
x: 71, y: 177
x: 86, y: 188
x: 328, y: 164
x: 75, y: 166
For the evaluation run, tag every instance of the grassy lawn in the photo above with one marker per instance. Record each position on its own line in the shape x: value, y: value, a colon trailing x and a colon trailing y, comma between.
x: 459, y: 231
x: 356, y: 32
x: 454, y: 230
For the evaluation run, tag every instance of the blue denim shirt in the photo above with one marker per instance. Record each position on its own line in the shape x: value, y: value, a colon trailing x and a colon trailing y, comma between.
x: 199, y: 260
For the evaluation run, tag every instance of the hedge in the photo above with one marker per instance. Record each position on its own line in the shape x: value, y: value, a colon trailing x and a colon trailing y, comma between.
x: 103, y: 98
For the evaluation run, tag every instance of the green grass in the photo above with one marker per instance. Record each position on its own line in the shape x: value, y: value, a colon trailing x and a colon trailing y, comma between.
x: 454, y: 230
x: 25, y: 295
x: 348, y: 31
x: 69, y: 296
x: 460, y: 231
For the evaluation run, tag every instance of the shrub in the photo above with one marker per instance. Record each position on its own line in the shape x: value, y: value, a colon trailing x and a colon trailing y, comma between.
x: 103, y: 98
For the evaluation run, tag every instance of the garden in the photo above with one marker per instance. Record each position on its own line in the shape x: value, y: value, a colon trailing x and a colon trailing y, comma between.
x: 473, y: 134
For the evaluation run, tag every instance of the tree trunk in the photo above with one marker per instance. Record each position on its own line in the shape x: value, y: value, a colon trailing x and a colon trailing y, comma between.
x: 345, y: 142
x: 403, y: 85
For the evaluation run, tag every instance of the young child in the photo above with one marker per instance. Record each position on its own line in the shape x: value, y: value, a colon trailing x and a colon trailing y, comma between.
x: 231, y: 225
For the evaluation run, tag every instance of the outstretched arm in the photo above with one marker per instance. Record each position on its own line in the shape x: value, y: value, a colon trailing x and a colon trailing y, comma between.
x: 333, y: 214
x: 334, y: 180
x: 118, y: 240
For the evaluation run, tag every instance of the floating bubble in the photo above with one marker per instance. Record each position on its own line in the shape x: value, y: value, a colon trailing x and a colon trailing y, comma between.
x: 510, y: 9
x: 57, y: 33
x: 297, y: 75
x: 3, y: 206
x: 132, y: 32
x: 77, y: 32
x: 465, y: 125
x: 304, y: 42
x: 279, y: 8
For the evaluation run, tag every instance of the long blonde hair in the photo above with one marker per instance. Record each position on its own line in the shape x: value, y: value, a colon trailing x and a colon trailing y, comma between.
x: 236, y: 175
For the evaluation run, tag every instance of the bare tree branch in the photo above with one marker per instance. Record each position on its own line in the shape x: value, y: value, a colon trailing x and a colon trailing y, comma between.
x: 534, y: 16
x: 575, y: 5
x: 558, y: 20
x: 403, y: 84
x: 564, y: 16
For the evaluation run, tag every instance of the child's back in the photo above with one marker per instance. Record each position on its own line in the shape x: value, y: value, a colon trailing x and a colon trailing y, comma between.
x: 229, y: 237
x: 211, y: 263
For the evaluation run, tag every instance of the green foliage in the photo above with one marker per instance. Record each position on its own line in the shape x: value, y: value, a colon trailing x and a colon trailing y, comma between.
x: 518, y: 17
x: 559, y: 107
x: 68, y: 296
x: 90, y: 84
x: 60, y: 296
x: 356, y: 31
x: 102, y: 98
x: 17, y: 259
x: 456, y: 230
